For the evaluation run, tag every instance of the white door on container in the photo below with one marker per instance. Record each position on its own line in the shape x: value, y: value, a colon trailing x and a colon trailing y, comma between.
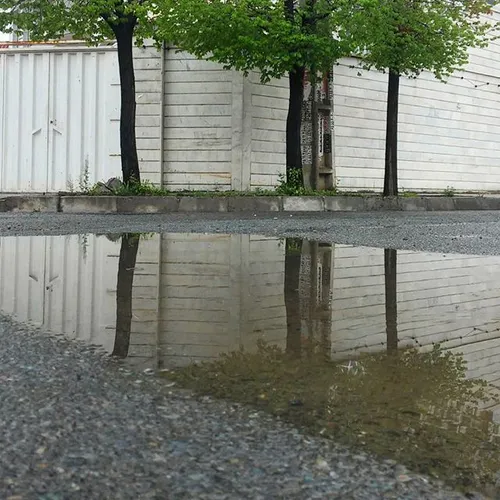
x: 59, y: 93
x: 23, y: 159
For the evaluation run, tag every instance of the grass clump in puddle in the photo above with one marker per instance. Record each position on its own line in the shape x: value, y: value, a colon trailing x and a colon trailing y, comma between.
x: 415, y: 407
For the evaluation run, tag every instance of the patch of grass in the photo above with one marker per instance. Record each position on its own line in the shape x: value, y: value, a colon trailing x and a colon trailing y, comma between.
x: 415, y: 407
x: 146, y: 188
x: 408, y: 194
x: 291, y: 187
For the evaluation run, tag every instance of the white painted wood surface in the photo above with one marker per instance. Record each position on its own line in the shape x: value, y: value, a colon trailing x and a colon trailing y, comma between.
x: 221, y: 130
x: 447, y: 299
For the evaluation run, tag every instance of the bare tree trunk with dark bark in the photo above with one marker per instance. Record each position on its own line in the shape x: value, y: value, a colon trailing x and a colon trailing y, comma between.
x: 124, y: 33
x: 125, y: 280
x: 294, y: 117
x: 294, y: 122
x: 391, y: 139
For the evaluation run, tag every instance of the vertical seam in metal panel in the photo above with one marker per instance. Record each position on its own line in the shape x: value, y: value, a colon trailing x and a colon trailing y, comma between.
x: 33, y: 75
x: 158, y: 352
x: 162, y: 111
x: 67, y: 138
x: 44, y: 293
x: 81, y: 98
x: 3, y: 57
x: 96, y: 119
x: 95, y: 261
x: 64, y: 282
x: 50, y: 95
x: 19, y: 99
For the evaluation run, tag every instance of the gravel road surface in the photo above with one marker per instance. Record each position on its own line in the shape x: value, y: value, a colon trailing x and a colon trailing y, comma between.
x: 76, y: 425
x: 458, y: 232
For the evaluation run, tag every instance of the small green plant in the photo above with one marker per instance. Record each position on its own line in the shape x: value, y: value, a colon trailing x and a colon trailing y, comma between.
x: 84, y: 181
x: 292, y: 186
x: 449, y: 191
x: 69, y: 186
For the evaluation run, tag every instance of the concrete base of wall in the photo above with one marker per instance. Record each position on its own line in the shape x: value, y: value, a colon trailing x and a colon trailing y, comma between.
x: 167, y: 204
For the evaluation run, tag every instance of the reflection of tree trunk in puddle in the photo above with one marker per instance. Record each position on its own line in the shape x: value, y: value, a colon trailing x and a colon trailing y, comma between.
x: 391, y: 302
x: 126, y: 267
x: 293, y: 250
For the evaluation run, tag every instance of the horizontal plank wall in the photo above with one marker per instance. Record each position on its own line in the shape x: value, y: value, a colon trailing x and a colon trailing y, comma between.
x: 198, y: 123
x: 447, y: 134
x: 148, y: 86
x: 268, y: 109
x: 145, y: 293
x: 221, y: 130
x: 197, y: 296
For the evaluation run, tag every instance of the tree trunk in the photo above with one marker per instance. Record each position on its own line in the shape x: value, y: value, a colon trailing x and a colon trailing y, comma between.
x: 292, y: 300
x: 391, y: 139
x: 124, y: 32
x: 391, y: 299
x: 126, y: 267
x: 294, y: 121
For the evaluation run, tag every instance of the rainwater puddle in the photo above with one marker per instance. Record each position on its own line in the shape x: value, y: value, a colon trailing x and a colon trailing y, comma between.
x: 396, y: 352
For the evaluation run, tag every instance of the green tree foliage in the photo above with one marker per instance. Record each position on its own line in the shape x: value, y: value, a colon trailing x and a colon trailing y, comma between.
x: 276, y: 37
x: 406, y: 37
x: 92, y: 21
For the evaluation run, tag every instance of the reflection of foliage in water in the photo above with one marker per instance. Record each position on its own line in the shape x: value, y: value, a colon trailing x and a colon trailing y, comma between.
x: 83, y: 239
x: 415, y: 407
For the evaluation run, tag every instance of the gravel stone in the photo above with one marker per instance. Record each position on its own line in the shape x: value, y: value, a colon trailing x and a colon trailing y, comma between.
x: 447, y: 232
x: 75, y: 425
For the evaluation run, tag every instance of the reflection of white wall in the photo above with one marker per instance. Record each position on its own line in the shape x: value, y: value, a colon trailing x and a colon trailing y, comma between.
x: 451, y: 299
x: 217, y: 293
x: 64, y: 284
x: 196, y: 296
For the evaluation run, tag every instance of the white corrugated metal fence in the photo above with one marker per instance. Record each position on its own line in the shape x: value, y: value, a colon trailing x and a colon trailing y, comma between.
x: 59, y: 118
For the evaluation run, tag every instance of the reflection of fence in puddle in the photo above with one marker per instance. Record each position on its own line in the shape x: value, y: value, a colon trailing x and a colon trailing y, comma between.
x: 217, y: 293
x: 197, y: 296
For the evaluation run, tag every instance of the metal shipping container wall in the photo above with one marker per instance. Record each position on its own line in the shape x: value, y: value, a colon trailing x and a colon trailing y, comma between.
x: 59, y: 118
